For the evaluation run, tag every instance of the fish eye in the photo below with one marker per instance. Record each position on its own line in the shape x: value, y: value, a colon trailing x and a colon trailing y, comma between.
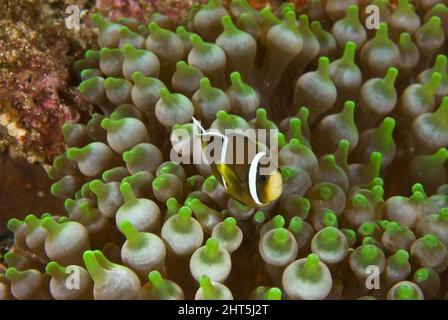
x: 263, y: 178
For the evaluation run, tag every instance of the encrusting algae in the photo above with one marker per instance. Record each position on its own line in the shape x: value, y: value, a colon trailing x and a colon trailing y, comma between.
x: 362, y: 116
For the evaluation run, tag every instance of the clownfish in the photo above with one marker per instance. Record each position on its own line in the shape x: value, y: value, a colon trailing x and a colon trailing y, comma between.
x: 244, y: 181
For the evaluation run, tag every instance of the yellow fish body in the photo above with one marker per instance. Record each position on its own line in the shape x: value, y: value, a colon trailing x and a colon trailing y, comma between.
x: 241, y: 176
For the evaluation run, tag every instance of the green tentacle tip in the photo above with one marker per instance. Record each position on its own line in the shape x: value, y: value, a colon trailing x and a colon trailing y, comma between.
x: 128, y: 229
x: 96, y: 186
x: 295, y: 142
x: 210, y: 183
x: 430, y: 241
x: 183, y: 67
x: 11, y: 258
x: 205, y: 83
x: 281, y: 139
x: 94, y: 267
x: 168, y: 168
x: 418, y: 188
x: 138, y: 77
x: 259, y: 217
x: 267, y: 15
x: 237, y: 81
x: 45, y: 215
x: 92, y: 54
x: 405, y: 39
x: 209, y: 290
x: 330, y: 219
x: 165, y: 94
x: 13, y: 274
x: 229, y: 225
x: 329, y: 236
x: 418, y: 196
x: 443, y: 214
x: 352, y: 12
x: 211, y: 249
x: 440, y: 156
x: 430, y: 88
x: 442, y: 111
x: 369, y: 252
x: 172, y: 203
x: 154, y: 27
x: 160, y: 182
x: 280, y: 236
x: 114, y: 83
x: 184, y: 215
x: 14, y: 224
x: 193, y: 203
x: 274, y: 294
x: 32, y: 221
x: 278, y: 221
x: 67, y: 128
x: 295, y: 225
x: 55, y: 270
x: 127, y: 192
x: 316, y: 27
x: 156, y: 279
x: 349, y: 52
x: 205, y: 282
x: 312, y: 260
x: 63, y: 220
x: 434, y: 24
x: 369, y: 240
x: 360, y: 201
x: 400, y: 257
x: 421, y: 275
x: 378, y: 192
x: 349, y: 109
x: 387, y: 127
x: 350, y: 235
x: 311, y: 266
x: 223, y: 115
x: 343, y: 146
x: 132, y: 52
x: 441, y: 64
x: 88, y: 85
x: 261, y: 114
x: 75, y: 153
x: 227, y: 23
x: 325, y: 192
x: 172, y: 206
x: 51, y: 225
x: 391, y: 76
x: 392, y: 227
x: 383, y: 31
x: 406, y: 292
x: 323, y: 67
x: 382, y: 223
x: 367, y: 229
x: 98, y: 20
x: 192, y: 181
x: 375, y: 163
x: 126, y: 32
x: 290, y: 18
x: 198, y: 43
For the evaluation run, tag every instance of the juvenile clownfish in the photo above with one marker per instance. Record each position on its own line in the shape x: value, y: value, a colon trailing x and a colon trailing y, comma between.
x: 244, y: 182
